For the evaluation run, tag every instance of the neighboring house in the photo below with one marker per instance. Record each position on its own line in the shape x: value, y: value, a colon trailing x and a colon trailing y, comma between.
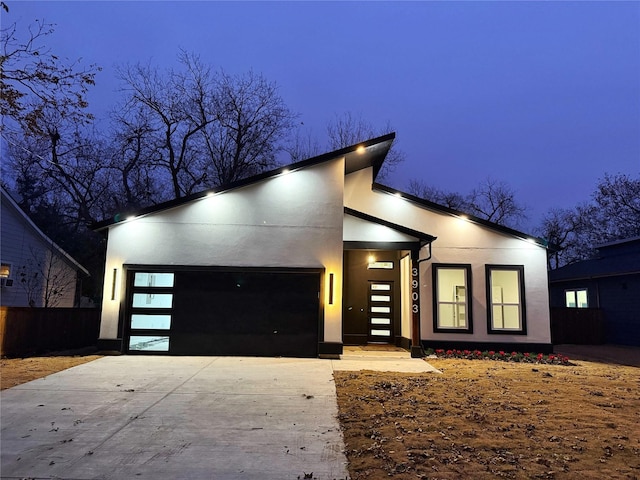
x: 304, y: 259
x: 35, y: 271
x: 610, y: 282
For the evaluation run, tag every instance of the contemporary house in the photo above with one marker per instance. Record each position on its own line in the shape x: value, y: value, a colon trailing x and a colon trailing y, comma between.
x: 609, y: 282
x: 35, y: 272
x: 306, y: 258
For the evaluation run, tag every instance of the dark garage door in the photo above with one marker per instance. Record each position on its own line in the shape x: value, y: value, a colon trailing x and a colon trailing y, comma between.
x: 264, y: 313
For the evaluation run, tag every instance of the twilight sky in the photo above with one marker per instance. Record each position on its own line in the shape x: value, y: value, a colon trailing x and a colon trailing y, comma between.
x: 542, y: 95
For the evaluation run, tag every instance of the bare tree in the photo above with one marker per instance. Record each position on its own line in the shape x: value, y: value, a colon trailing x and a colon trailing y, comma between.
x: 448, y: 199
x: 34, y: 82
x: 303, y: 145
x: 612, y: 214
x: 202, y: 129
x: 251, y: 123
x: 46, y: 279
x: 617, y: 198
x: 43, y: 105
x: 495, y: 201
x: 347, y: 129
x: 171, y: 120
x: 68, y: 171
x: 133, y: 162
x: 492, y: 200
x: 561, y: 227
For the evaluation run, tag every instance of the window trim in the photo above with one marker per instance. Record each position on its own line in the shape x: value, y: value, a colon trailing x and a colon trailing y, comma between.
x: 469, y: 296
x: 575, y: 296
x: 523, y: 310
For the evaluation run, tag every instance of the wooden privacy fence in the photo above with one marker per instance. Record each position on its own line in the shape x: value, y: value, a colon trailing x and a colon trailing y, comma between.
x: 26, y: 331
x: 578, y: 326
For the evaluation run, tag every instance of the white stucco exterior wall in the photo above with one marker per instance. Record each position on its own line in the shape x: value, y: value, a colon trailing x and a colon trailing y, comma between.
x: 290, y: 220
x: 358, y: 230
x: 460, y: 241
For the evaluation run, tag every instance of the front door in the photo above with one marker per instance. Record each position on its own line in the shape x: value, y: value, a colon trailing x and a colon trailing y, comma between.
x: 371, y: 297
x: 380, y: 312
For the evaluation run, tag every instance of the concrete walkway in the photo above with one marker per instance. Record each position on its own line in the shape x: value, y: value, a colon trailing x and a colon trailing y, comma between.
x: 176, y: 418
x: 387, y: 359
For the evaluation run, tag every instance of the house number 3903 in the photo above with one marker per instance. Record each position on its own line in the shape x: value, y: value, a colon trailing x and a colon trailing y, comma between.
x: 414, y: 294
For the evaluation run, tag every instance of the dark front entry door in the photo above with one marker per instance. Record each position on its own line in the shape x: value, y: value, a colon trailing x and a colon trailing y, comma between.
x: 371, y: 297
x: 380, y: 313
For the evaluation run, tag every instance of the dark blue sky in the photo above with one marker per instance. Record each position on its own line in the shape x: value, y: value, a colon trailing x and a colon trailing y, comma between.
x: 542, y: 95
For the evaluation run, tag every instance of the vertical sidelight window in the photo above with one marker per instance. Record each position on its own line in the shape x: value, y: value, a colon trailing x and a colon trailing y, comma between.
x: 505, y: 299
x: 452, y: 298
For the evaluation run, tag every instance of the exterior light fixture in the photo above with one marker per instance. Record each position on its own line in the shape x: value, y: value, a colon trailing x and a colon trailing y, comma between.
x: 331, y: 289
x: 361, y: 149
x: 113, y: 283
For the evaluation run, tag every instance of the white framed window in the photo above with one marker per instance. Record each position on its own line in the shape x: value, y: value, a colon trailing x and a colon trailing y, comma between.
x: 505, y: 299
x: 452, y: 298
x: 576, y: 298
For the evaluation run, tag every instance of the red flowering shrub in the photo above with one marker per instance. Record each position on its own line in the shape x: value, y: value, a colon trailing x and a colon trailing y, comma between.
x: 526, y: 357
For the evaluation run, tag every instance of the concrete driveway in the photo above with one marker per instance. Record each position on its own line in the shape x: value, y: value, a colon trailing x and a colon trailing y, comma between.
x: 127, y: 417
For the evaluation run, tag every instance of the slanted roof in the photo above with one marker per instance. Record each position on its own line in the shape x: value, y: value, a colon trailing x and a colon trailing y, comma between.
x: 456, y: 213
x: 616, y: 247
x: 370, y: 153
x: 8, y: 200
x: 621, y: 257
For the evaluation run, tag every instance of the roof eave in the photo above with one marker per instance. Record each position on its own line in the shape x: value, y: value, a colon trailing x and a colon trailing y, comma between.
x: 456, y: 213
x: 370, y: 153
x: 423, y: 238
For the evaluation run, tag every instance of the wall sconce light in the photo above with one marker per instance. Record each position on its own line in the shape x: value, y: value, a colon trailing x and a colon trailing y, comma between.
x: 113, y: 284
x: 331, y: 289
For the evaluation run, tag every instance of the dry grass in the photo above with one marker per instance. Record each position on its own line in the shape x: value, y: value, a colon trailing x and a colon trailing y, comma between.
x: 15, y: 371
x: 486, y: 419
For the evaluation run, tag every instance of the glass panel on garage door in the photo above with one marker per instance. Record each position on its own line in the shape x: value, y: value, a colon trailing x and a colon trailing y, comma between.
x: 246, y: 312
x: 150, y: 312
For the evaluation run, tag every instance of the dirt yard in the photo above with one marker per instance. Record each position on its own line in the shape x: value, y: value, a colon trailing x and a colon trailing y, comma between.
x: 485, y: 419
x: 479, y: 419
